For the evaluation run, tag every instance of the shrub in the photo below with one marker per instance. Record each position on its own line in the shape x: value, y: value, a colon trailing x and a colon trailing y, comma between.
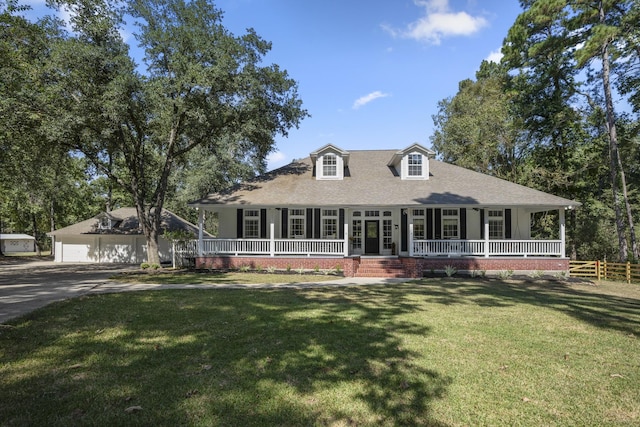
x: 505, y: 274
x: 537, y: 274
x: 450, y: 270
x: 271, y: 269
x: 144, y: 265
x: 244, y: 268
x: 154, y: 266
x: 561, y: 275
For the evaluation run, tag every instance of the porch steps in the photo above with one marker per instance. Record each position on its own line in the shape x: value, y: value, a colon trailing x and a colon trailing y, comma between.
x: 381, y: 267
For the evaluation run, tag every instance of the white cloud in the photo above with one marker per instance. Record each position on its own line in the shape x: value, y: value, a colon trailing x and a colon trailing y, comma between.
x: 439, y: 22
x: 495, y: 56
x: 368, y: 98
x: 276, y: 159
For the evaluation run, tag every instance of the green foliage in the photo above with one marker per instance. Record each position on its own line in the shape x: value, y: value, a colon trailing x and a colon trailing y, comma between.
x: 206, y: 103
x: 450, y: 270
x: 505, y: 274
x: 476, y: 130
x: 145, y: 265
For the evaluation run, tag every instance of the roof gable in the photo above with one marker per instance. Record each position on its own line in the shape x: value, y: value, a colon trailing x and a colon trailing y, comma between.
x: 413, y: 148
x: 126, y: 224
x: 330, y: 148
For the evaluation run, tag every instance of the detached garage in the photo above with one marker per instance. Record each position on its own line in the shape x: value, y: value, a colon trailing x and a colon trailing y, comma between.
x: 12, y: 243
x: 115, y: 237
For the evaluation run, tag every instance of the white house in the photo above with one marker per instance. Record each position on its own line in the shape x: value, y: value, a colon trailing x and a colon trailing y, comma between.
x: 382, y: 213
x: 114, y: 237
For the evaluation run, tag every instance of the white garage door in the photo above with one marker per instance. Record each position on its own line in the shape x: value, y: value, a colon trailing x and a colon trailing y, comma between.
x: 76, y: 252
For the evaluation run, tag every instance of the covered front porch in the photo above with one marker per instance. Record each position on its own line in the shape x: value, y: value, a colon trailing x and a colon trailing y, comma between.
x: 270, y: 236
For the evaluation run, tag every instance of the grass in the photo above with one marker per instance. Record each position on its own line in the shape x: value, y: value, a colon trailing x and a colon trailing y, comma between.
x: 181, y: 277
x: 440, y: 352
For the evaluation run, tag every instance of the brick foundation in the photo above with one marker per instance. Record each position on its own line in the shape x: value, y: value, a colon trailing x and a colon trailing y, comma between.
x: 414, y: 267
x: 347, y: 265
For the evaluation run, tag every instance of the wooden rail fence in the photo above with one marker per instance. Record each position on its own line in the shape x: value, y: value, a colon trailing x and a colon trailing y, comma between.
x: 604, y: 270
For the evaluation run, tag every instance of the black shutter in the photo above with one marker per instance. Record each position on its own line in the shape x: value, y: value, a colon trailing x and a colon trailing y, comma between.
x: 438, y: 224
x: 404, y: 243
x: 263, y: 223
x: 239, y: 223
x: 309, y: 223
x: 463, y: 223
x: 507, y: 223
x: 429, y: 224
x: 341, y: 224
x: 482, y: 223
x: 316, y: 223
x: 285, y: 223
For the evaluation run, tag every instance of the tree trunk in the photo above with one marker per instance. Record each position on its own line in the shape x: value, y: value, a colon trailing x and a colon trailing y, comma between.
x: 52, y: 222
x: 153, y: 249
x: 615, y: 161
x: 150, y: 225
x: 35, y: 233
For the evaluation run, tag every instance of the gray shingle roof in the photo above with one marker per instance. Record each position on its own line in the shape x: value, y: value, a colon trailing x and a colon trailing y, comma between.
x: 370, y: 182
x: 128, y: 224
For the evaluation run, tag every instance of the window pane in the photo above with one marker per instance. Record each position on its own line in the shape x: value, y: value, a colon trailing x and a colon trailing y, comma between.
x: 415, y: 165
x: 450, y: 228
x: 418, y: 229
x: 297, y: 227
x: 251, y: 223
x: 357, y: 234
x: 329, y: 228
x: 251, y: 229
x: 329, y: 165
x: 386, y: 234
x: 496, y: 224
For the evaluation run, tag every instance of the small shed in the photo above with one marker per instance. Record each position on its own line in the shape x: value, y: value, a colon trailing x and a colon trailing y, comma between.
x: 12, y: 243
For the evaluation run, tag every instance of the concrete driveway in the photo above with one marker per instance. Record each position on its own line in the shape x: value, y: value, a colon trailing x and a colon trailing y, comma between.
x: 26, y: 285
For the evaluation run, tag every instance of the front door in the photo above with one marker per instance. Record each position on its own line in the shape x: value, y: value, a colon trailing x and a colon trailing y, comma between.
x: 372, y: 237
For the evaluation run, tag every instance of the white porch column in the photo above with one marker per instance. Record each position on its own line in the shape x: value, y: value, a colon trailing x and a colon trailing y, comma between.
x: 272, y: 237
x: 562, y: 232
x: 411, y: 236
x: 346, y: 236
x: 200, y: 231
x: 486, y: 232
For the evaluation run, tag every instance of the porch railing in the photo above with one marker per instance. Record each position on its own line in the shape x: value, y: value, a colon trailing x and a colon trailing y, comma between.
x: 495, y: 248
x: 306, y: 247
x: 311, y: 247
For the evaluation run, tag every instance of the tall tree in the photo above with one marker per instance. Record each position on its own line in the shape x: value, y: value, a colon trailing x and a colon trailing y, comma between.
x: 603, y: 24
x: 476, y: 129
x: 550, y: 43
x: 203, y: 87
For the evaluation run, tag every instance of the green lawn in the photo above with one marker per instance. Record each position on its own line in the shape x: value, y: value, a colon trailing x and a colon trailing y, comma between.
x: 183, y: 277
x: 442, y: 352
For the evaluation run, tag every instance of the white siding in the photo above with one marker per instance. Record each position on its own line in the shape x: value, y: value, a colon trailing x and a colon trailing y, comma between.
x: 108, y: 249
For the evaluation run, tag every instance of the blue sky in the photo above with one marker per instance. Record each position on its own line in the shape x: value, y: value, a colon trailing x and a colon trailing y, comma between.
x: 370, y: 72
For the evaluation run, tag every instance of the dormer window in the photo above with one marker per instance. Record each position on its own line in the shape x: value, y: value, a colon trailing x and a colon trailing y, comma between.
x: 412, y: 162
x: 414, y: 165
x: 105, y: 223
x: 329, y: 165
x: 330, y: 162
